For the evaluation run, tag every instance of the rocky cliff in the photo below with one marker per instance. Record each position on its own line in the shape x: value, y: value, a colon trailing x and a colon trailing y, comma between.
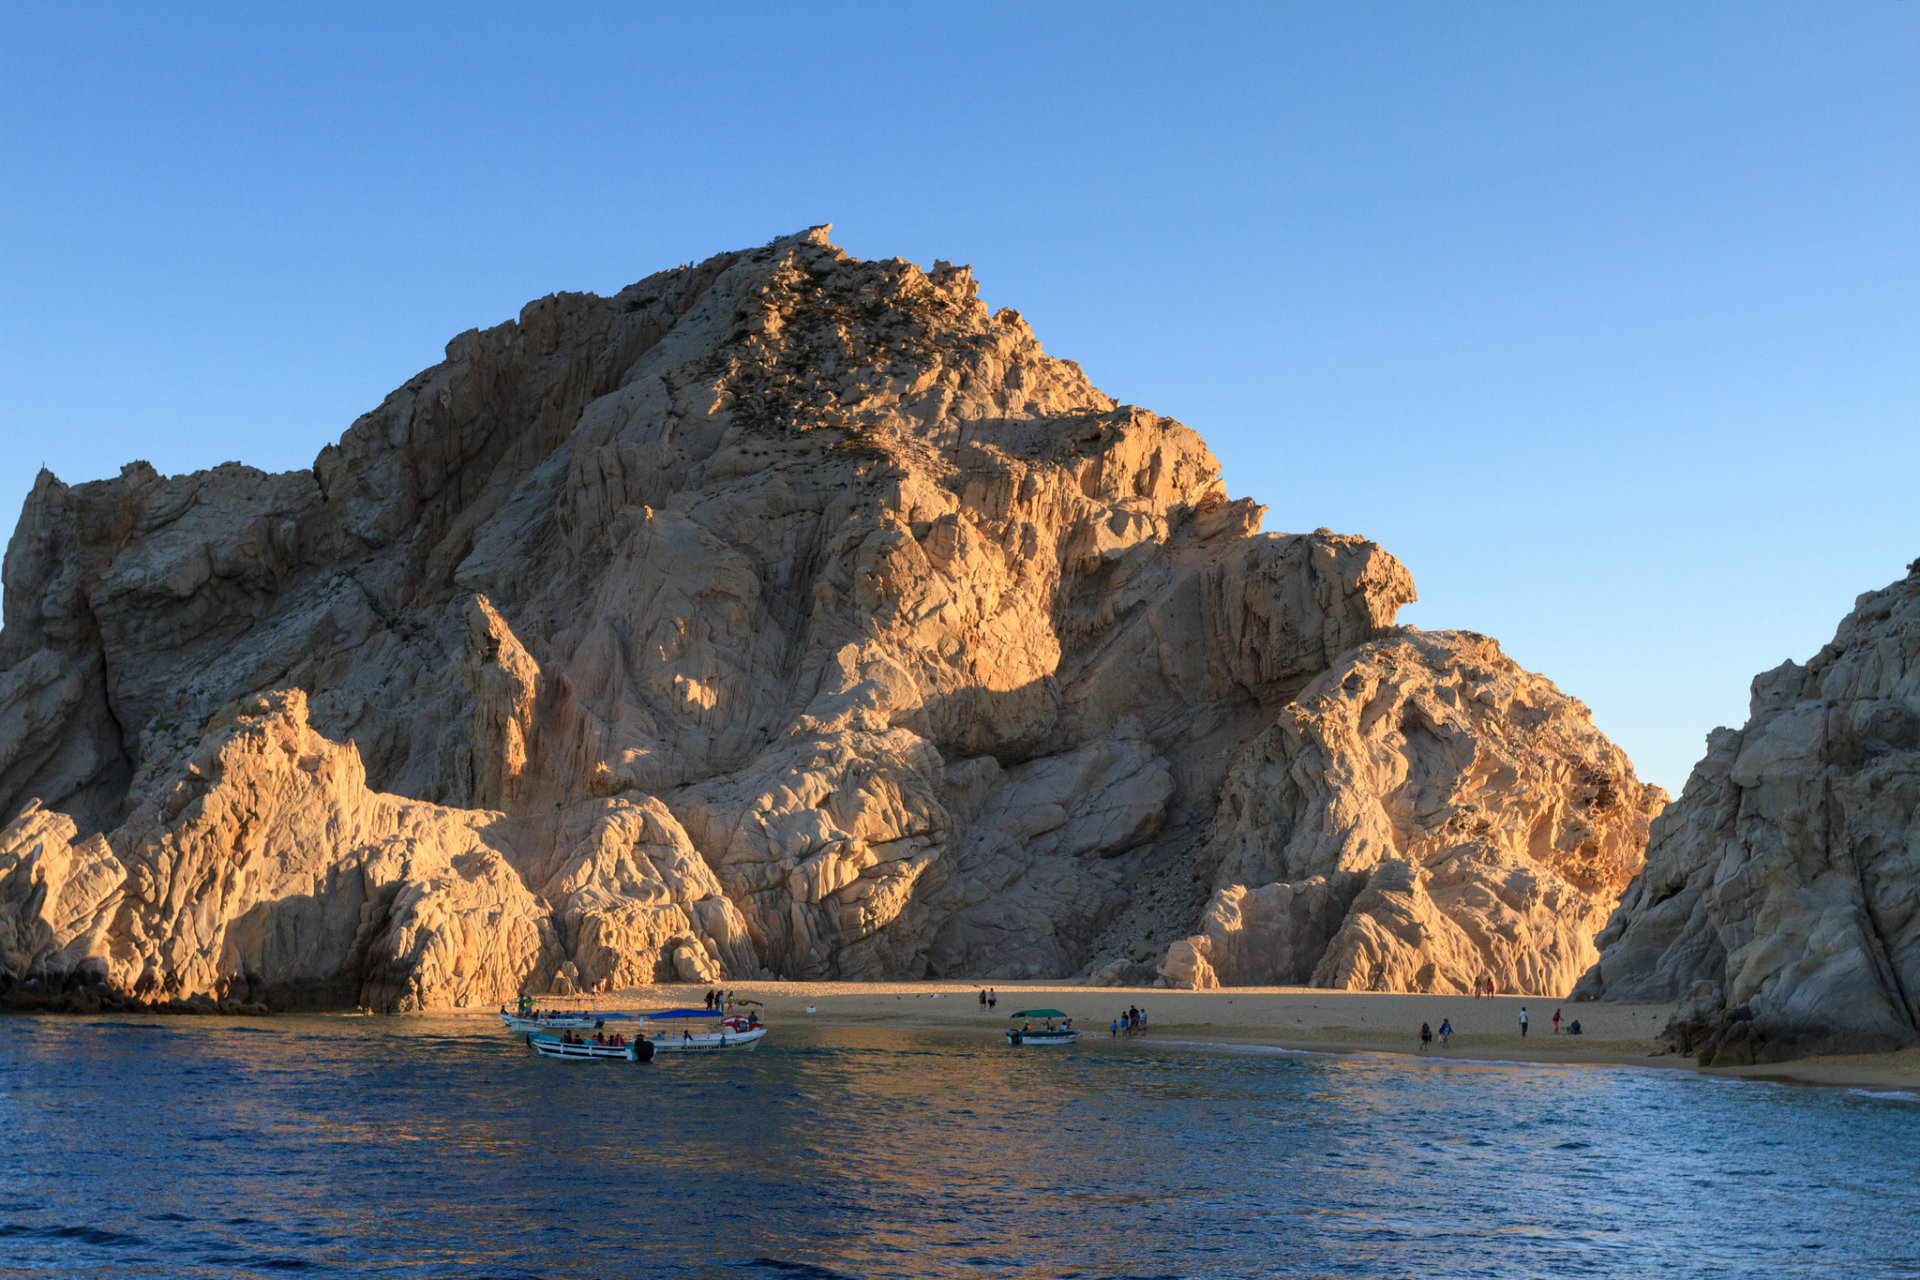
x: 1424, y: 816
x: 783, y: 614
x: 1781, y: 896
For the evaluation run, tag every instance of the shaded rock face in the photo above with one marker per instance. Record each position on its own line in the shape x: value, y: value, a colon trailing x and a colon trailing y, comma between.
x: 1781, y: 897
x: 1426, y: 816
x: 781, y: 614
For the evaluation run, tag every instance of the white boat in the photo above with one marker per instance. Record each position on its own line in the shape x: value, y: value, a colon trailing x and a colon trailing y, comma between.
x: 548, y: 1045
x: 557, y: 1021
x: 660, y: 1031
x: 700, y: 1031
x: 1049, y: 1034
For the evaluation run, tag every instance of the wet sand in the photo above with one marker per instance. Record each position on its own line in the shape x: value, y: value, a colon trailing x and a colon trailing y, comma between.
x: 1283, y: 1017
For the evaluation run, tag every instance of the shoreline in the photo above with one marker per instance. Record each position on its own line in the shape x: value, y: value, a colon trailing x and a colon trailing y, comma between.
x: 1293, y: 1019
x: 1290, y: 1019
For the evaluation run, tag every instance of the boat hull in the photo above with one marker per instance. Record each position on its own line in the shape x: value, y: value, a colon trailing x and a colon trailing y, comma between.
x: 1034, y: 1039
x: 550, y: 1046
x: 553, y: 1022
x: 722, y: 1042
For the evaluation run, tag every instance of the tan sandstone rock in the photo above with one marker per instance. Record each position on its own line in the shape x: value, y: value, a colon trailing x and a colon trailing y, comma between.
x: 1781, y: 897
x: 1426, y: 815
x: 783, y: 614
x: 56, y: 898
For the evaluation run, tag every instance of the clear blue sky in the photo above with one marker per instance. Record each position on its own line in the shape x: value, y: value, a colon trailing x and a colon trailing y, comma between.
x: 1604, y: 318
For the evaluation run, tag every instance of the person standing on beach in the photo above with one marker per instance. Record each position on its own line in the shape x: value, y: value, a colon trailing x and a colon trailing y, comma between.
x: 1556, y: 1022
x: 1426, y: 1036
x: 992, y: 999
x: 1523, y: 1022
x: 983, y: 997
x: 1446, y: 1033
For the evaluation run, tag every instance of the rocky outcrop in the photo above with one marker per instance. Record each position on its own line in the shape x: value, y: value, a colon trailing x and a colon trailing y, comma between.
x: 270, y: 870
x: 1781, y: 897
x: 57, y: 895
x: 1424, y: 817
x: 782, y: 614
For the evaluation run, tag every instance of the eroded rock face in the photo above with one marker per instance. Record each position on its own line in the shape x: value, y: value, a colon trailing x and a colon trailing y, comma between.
x: 1425, y: 816
x: 1781, y: 897
x: 782, y: 614
x: 270, y: 870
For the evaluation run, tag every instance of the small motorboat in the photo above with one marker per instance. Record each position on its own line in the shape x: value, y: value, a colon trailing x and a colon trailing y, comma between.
x: 578, y: 1048
x: 557, y: 1021
x: 526, y: 1018
x: 1029, y: 1034
x: 700, y: 1030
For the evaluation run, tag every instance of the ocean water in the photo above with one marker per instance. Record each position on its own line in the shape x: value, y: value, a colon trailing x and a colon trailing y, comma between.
x: 442, y: 1147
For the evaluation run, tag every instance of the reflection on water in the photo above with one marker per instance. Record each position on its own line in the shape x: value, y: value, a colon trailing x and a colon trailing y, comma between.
x: 426, y: 1147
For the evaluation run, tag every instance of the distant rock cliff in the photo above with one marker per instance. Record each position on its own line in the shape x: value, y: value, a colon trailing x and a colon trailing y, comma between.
x: 1781, y: 896
x: 782, y: 614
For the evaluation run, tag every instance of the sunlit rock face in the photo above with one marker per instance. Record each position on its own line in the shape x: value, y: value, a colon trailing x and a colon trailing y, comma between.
x: 782, y: 614
x: 1781, y: 896
x: 1424, y: 816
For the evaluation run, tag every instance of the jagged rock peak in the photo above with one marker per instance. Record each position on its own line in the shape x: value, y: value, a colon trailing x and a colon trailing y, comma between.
x: 784, y: 613
x: 1781, y: 896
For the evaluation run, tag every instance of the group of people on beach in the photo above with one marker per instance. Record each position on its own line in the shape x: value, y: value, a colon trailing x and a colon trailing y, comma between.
x: 988, y: 997
x: 1445, y: 1034
x: 717, y: 999
x: 1573, y: 1028
x: 1131, y: 1023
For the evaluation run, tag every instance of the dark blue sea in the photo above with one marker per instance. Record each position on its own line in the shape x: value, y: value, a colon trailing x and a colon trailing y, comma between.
x: 441, y: 1147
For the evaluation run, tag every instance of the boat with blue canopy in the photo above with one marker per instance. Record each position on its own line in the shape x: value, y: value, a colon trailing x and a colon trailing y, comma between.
x: 700, y: 1030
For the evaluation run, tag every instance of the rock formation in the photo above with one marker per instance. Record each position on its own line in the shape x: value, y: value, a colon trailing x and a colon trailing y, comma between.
x: 1423, y: 817
x: 785, y: 614
x: 1781, y: 896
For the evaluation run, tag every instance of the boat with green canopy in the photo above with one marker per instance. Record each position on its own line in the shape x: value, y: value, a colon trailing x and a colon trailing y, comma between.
x: 1059, y: 1028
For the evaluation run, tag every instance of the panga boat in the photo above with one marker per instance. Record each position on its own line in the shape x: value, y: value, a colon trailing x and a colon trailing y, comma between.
x: 663, y: 1031
x: 558, y: 1021
x: 548, y: 1045
x: 526, y: 1018
x: 700, y: 1030
x: 1048, y: 1034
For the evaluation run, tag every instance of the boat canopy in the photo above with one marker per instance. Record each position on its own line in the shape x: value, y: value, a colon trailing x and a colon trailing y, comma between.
x: 1038, y: 1013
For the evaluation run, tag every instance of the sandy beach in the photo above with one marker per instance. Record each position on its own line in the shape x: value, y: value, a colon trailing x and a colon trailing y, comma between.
x: 1286, y: 1017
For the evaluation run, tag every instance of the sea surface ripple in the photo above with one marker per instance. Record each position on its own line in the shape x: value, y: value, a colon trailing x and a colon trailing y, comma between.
x: 441, y: 1147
